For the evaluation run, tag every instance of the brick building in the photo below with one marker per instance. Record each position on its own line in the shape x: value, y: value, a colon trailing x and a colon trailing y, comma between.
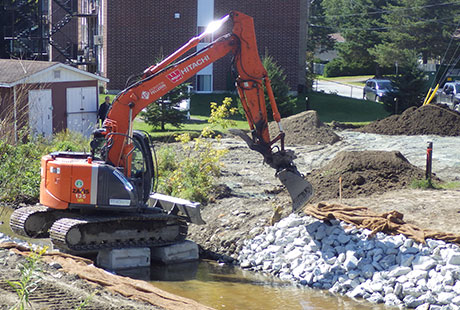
x: 135, y: 33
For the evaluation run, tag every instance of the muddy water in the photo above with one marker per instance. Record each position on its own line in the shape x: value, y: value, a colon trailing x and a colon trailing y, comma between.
x: 228, y: 288
x: 231, y: 288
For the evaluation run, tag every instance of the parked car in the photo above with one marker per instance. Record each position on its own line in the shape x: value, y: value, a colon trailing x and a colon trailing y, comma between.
x: 449, y: 94
x: 375, y: 89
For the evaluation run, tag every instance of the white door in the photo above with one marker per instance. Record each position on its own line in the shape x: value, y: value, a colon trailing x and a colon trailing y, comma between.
x: 40, y: 112
x: 82, y: 109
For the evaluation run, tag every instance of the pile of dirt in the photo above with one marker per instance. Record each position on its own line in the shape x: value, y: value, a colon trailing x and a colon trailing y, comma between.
x: 363, y: 173
x: 425, y: 120
x: 304, y: 129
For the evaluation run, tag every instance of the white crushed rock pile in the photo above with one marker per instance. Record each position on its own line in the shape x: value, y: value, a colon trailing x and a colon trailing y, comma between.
x: 345, y: 260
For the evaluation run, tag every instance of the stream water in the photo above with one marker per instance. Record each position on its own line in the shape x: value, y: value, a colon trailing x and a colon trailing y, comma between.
x: 231, y: 288
x: 228, y: 287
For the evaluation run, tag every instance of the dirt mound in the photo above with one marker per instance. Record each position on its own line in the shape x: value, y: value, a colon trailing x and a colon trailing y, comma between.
x: 426, y: 120
x: 305, y: 128
x: 363, y: 173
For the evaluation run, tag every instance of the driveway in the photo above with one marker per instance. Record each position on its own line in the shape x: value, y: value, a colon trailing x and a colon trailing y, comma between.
x: 341, y: 89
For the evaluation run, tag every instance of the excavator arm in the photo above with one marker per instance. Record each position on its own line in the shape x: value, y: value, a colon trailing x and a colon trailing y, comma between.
x: 252, y: 77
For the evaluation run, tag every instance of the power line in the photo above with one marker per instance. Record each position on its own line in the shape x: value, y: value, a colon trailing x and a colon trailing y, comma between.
x: 387, y: 11
x: 435, y: 20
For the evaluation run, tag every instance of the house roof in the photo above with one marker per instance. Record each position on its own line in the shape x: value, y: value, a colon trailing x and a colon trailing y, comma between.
x: 13, y: 71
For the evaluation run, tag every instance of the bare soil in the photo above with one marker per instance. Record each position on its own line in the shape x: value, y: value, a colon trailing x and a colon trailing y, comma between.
x: 375, y: 179
x: 426, y: 120
x: 59, y: 290
x: 305, y: 128
x: 249, y: 193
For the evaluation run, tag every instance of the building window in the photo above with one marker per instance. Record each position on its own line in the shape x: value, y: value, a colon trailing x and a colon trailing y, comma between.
x: 203, y: 83
x: 207, y: 38
x: 57, y: 74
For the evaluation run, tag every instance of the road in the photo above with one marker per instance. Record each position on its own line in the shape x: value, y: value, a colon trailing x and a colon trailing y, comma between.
x: 346, y: 90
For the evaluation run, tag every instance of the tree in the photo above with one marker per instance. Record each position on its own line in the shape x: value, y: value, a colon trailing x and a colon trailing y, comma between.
x: 410, y: 88
x: 319, y: 34
x: 285, y: 102
x: 319, y: 39
x: 421, y: 26
x: 165, y: 110
x: 359, y: 22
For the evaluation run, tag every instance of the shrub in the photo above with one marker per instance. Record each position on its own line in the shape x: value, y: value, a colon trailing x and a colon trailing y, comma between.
x: 410, y: 89
x: 339, y: 67
x: 190, y: 173
x: 20, y: 164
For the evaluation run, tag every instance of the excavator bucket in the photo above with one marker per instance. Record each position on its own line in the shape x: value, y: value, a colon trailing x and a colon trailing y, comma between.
x: 299, y: 189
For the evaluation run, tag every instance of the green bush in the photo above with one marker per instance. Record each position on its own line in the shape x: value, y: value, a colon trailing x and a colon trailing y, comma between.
x: 20, y: 164
x: 190, y: 172
x: 339, y: 67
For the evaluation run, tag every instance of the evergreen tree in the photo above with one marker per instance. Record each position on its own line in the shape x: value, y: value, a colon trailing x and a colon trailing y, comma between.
x: 165, y: 110
x: 359, y: 22
x: 285, y: 102
x: 410, y: 88
x: 319, y: 34
x: 421, y: 26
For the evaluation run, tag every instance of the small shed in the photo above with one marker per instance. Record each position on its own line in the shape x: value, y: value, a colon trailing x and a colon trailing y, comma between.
x: 48, y: 97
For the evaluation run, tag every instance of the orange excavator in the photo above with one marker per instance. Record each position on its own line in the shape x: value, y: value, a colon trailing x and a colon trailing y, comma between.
x: 104, y: 199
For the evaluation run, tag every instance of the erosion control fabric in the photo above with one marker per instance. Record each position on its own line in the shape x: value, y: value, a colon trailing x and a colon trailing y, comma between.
x: 389, y: 223
x: 131, y: 288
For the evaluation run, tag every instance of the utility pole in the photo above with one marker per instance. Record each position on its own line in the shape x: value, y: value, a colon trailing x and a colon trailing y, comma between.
x: 308, y: 18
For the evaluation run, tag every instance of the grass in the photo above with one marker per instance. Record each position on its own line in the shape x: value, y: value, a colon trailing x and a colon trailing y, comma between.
x: 424, y: 184
x: 194, y: 127
x: 200, y: 103
x: 343, y: 109
x: 329, y: 108
x: 29, y: 279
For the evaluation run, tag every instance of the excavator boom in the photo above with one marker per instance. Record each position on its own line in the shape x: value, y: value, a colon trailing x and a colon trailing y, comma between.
x: 251, y: 80
x: 104, y: 199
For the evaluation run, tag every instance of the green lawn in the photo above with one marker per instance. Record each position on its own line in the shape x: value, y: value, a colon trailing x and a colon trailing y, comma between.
x: 329, y: 108
x: 194, y: 127
x: 343, y: 109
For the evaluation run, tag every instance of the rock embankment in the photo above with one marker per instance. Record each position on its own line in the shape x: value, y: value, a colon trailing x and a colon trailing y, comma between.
x: 345, y: 260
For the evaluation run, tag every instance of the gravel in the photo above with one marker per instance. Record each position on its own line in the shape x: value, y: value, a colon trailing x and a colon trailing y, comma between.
x: 446, y: 151
x: 345, y: 260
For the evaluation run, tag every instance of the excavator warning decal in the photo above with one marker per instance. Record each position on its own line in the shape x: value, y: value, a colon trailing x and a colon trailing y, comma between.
x: 175, y: 76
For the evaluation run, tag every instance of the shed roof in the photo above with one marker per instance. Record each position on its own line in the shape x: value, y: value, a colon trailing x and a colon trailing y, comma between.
x: 13, y: 71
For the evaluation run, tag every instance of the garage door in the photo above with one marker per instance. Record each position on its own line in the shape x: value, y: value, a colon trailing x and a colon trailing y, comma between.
x: 82, y: 109
x: 40, y: 112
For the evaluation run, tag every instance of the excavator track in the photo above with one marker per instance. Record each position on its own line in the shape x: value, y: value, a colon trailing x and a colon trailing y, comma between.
x: 91, y: 234
x: 75, y: 233
x: 32, y: 222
